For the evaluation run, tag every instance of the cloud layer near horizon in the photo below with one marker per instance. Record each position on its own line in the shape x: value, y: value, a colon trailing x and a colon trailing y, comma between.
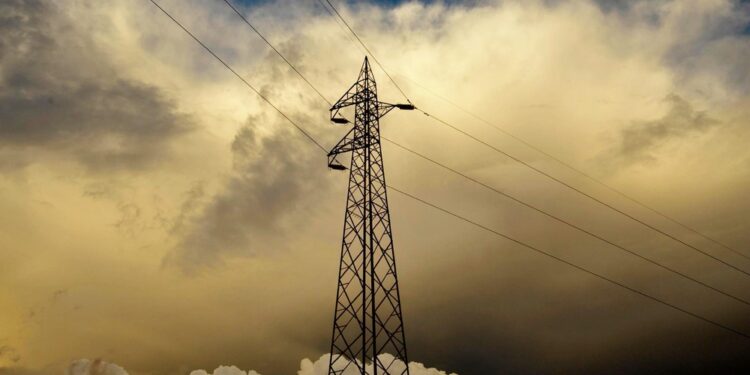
x: 307, y: 367
x: 156, y: 212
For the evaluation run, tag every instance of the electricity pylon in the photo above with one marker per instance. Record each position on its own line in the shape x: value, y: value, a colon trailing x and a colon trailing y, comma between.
x: 368, y: 327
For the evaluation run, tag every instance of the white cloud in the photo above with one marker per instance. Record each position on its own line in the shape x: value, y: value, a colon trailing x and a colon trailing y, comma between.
x: 307, y: 367
x: 320, y: 367
x: 224, y: 370
x: 95, y: 367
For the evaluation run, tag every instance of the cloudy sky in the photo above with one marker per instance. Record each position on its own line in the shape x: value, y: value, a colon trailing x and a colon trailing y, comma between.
x: 157, y: 214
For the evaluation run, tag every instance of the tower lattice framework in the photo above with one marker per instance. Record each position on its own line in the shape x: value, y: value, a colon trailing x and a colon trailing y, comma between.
x: 368, y: 329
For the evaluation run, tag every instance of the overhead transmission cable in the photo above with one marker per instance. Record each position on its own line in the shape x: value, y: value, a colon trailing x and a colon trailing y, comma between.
x: 368, y: 51
x: 528, y: 165
x: 341, y: 26
x: 557, y: 159
x: 205, y: 47
x: 309, y: 137
x: 573, y: 168
x: 580, y: 229
x: 561, y: 260
x: 277, y: 51
x: 579, y: 191
x: 563, y: 221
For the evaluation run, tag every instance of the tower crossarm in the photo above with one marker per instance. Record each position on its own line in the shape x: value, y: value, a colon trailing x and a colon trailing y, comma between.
x: 349, y: 98
x: 348, y: 143
x: 384, y: 108
x: 352, y: 96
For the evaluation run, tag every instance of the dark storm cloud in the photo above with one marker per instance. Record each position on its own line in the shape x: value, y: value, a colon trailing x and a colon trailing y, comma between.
x: 707, y: 44
x: 59, y: 95
x: 639, y: 141
x: 518, y: 314
x: 272, y: 176
x: 720, y: 50
x: 615, y: 5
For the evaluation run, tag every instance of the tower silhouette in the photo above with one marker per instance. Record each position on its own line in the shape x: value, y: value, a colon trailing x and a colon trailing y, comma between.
x: 368, y: 329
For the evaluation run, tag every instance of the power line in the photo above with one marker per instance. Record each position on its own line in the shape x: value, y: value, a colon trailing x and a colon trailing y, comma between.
x: 342, y: 27
x: 239, y: 76
x: 558, y: 219
x: 717, y: 324
x: 540, y: 251
x: 565, y: 164
x: 485, y: 185
x: 579, y: 191
x: 368, y: 51
x: 277, y: 51
x: 571, y: 167
x: 550, y: 176
x: 561, y: 162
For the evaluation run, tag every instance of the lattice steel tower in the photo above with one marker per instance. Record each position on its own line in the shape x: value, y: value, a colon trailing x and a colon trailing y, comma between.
x: 368, y: 328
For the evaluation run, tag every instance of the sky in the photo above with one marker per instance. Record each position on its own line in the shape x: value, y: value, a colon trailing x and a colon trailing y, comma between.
x: 159, y: 218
